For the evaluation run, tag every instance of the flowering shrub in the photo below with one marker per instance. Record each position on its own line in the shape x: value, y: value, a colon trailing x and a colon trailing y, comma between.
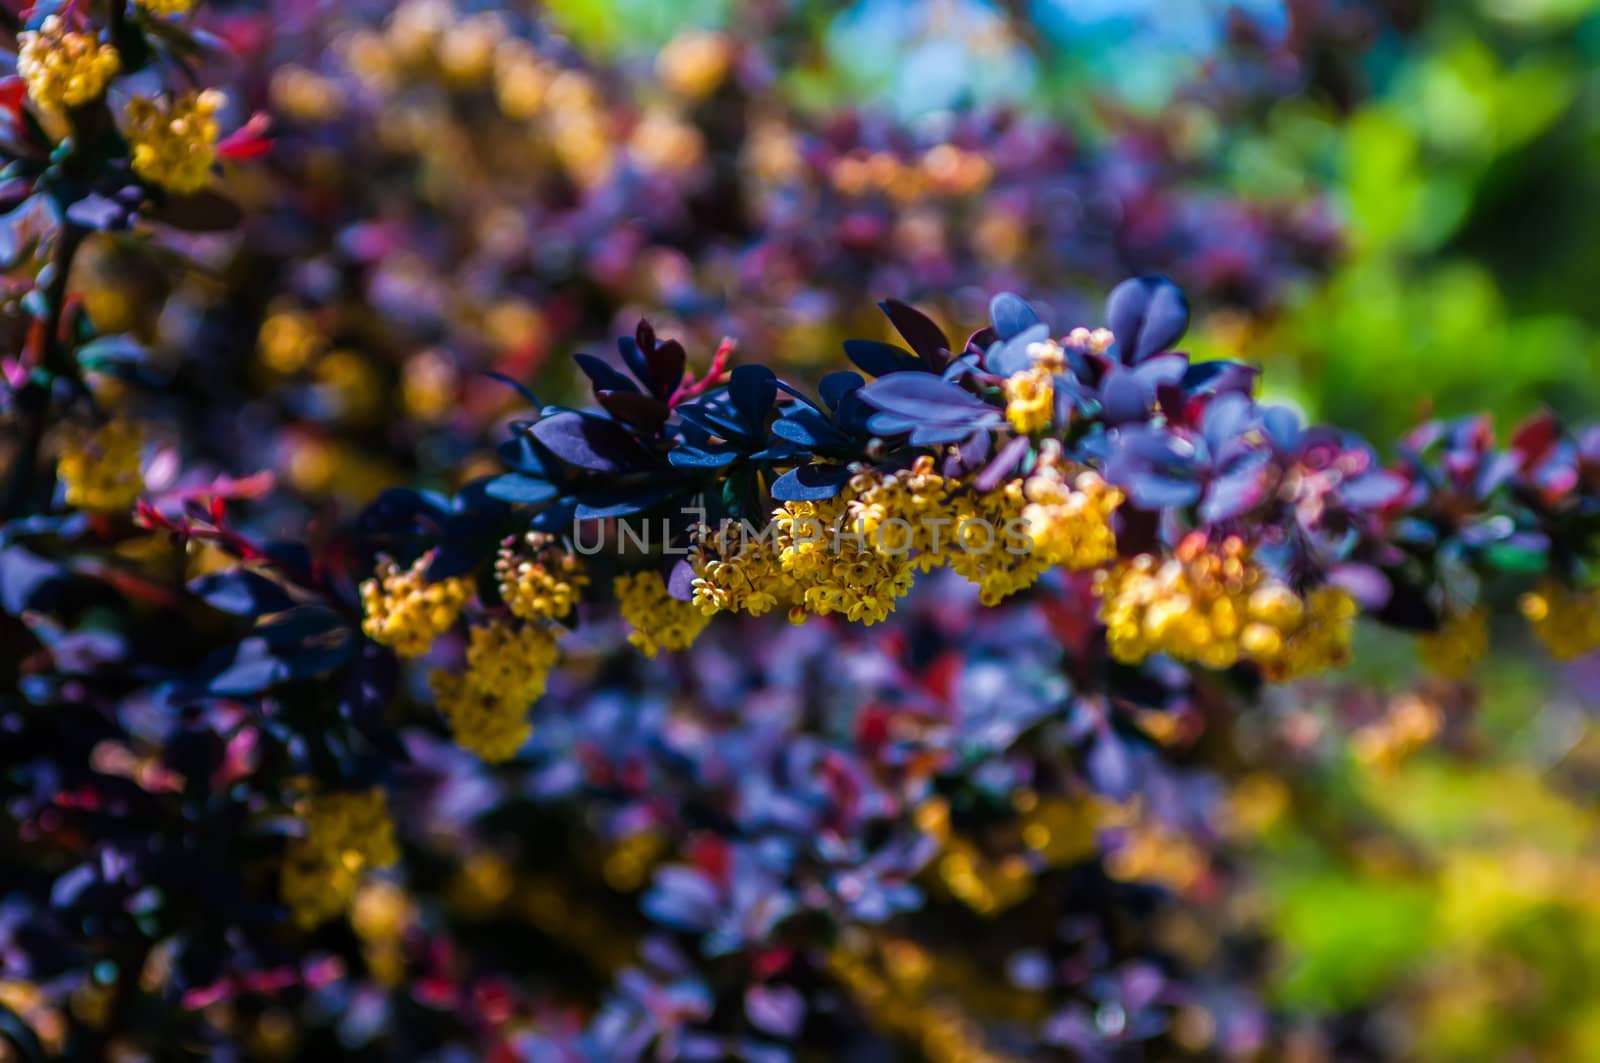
x: 728, y: 715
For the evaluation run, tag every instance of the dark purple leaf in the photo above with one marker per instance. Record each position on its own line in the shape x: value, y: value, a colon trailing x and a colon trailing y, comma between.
x: 835, y: 386
x: 644, y: 412
x: 632, y: 354
x: 753, y: 389
x: 1124, y: 398
x: 241, y: 592
x: 808, y: 428
x: 880, y: 359
x: 1147, y: 315
x: 922, y: 397
x: 925, y: 337
x: 602, y: 376
x: 666, y: 368
x: 590, y: 442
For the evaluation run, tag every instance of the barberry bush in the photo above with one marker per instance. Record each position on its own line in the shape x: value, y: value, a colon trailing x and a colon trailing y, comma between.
x: 1001, y: 696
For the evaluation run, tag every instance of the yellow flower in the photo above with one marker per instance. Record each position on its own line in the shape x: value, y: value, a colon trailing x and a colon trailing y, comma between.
x: 344, y: 836
x: 835, y: 566
x: 406, y: 613
x: 175, y: 141
x: 1461, y: 642
x: 1215, y: 606
x: 659, y: 621
x: 904, y: 512
x: 1070, y: 525
x: 991, y: 547
x: 1031, y: 399
x: 102, y: 470
x: 1567, y: 621
x: 64, y: 68
x: 487, y: 707
x: 544, y: 587
x: 167, y: 8
x: 738, y: 571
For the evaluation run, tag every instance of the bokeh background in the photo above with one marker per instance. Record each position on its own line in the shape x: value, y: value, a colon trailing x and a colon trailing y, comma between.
x: 1393, y: 206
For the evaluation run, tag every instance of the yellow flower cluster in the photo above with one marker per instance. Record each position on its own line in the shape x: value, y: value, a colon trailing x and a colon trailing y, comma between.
x: 1031, y: 393
x: 991, y: 547
x: 734, y: 572
x: 1461, y: 642
x: 167, y: 8
x: 857, y: 554
x: 1070, y: 524
x: 507, y: 668
x: 1567, y: 621
x: 659, y: 621
x: 345, y: 835
x: 64, y: 68
x: 543, y: 587
x: 899, y: 512
x: 1216, y: 607
x: 406, y: 613
x: 102, y: 470
x: 835, y: 567
x: 175, y: 141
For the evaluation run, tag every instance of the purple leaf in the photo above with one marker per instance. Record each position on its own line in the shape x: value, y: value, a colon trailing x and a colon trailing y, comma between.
x: 753, y: 389
x: 880, y: 359
x: 666, y: 368
x: 926, y: 338
x: 1011, y: 315
x: 643, y: 412
x: 1124, y: 398
x: 923, y: 397
x: 1147, y: 315
x: 602, y: 376
x: 590, y: 442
